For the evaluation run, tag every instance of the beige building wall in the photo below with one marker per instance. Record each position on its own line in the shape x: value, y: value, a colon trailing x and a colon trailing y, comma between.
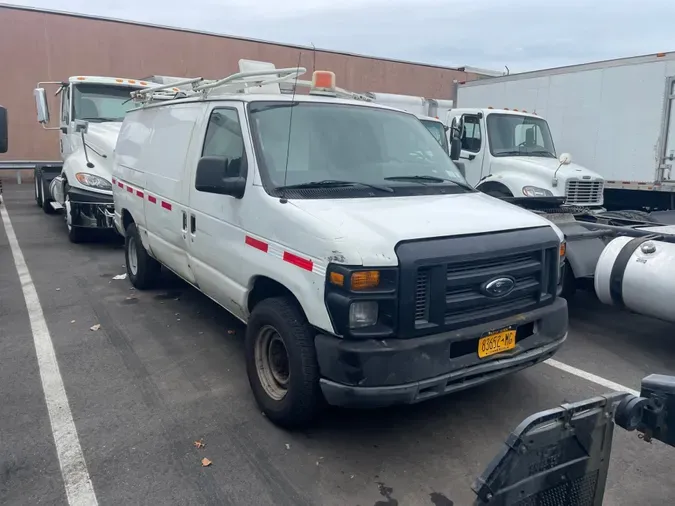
x: 46, y: 46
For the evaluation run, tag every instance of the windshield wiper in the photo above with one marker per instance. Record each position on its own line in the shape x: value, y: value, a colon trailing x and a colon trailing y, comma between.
x: 333, y: 183
x: 428, y: 179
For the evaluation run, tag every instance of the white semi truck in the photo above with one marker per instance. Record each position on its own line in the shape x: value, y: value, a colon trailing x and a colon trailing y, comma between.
x: 91, y: 112
x: 615, y: 117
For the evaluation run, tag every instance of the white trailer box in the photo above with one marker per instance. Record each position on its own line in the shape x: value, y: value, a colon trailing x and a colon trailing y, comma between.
x: 614, y: 117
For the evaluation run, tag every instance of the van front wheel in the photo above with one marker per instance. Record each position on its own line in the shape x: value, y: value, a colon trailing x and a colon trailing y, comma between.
x: 142, y: 269
x: 281, y: 363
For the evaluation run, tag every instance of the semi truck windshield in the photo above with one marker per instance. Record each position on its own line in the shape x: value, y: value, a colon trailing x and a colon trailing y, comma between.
x: 101, y: 102
x: 438, y: 131
x: 514, y: 135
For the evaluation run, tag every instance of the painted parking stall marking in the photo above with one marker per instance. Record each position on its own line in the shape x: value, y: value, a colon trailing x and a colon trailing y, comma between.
x: 79, y: 489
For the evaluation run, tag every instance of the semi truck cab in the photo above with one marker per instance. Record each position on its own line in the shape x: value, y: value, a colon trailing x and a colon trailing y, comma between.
x: 91, y: 110
x: 510, y: 153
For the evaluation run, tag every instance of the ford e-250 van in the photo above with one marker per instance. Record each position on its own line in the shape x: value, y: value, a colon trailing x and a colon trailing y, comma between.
x: 366, y: 269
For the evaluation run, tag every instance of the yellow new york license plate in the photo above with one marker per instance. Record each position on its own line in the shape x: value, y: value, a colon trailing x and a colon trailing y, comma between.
x: 498, y: 342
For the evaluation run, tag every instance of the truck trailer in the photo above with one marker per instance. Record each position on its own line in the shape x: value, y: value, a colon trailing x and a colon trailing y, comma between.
x: 614, y: 117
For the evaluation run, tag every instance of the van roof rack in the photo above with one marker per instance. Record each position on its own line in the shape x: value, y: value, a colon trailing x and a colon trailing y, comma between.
x: 253, y: 77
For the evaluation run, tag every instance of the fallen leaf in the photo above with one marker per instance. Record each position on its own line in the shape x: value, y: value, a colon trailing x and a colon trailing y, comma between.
x: 199, y: 444
x: 206, y: 462
x: 95, y: 327
x: 120, y: 276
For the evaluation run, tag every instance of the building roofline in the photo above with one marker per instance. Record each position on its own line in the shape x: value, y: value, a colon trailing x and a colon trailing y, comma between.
x: 219, y: 35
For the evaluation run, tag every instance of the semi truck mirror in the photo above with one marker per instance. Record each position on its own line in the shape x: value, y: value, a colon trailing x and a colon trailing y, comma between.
x: 4, y: 145
x: 41, y: 105
x: 565, y: 158
x: 455, y: 148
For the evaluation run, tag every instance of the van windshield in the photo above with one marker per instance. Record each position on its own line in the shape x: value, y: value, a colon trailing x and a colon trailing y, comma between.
x: 514, y: 135
x: 365, y: 146
x: 101, y: 102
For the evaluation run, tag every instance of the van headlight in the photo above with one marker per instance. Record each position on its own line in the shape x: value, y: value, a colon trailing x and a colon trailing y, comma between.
x: 535, y: 191
x: 362, y: 314
x: 93, y: 181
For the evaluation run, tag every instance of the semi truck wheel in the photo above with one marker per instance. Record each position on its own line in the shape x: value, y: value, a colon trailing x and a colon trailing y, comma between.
x: 281, y: 363
x: 75, y: 234
x: 142, y: 269
x: 46, y: 197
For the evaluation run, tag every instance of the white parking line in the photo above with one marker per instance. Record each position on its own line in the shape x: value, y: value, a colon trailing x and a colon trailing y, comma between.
x: 79, y: 488
x: 590, y: 377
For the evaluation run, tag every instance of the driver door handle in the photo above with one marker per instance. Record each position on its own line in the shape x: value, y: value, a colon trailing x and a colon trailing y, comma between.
x: 193, y: 223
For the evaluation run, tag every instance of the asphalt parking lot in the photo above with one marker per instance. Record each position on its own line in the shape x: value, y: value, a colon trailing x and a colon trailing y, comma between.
x: 166, y: 368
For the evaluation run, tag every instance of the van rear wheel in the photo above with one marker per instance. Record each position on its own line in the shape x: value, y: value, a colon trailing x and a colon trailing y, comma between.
x: 142, y: 269
x: 281, y: 363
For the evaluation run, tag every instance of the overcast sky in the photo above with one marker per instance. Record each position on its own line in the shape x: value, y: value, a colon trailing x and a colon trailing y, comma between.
x: 523, y: 34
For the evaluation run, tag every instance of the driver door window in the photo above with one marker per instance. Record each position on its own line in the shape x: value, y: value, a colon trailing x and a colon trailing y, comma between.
x: 224, y: 138
x: 471, y: 136
x: 65, y: 106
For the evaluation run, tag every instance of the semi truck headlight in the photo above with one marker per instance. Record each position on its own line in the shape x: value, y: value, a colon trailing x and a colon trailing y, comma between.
x: 93, y: 181
x: 535, y: 191
x: 362, y: 314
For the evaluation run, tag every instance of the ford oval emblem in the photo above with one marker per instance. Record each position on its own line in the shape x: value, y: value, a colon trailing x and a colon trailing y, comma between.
x: 498, y: 287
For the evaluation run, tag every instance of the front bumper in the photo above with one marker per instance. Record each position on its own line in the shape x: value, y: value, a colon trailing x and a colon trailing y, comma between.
x: 91, y: 210
x: 377, y: 373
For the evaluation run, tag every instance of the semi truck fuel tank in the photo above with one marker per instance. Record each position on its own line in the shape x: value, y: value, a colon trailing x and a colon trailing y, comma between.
x: 639, y: 274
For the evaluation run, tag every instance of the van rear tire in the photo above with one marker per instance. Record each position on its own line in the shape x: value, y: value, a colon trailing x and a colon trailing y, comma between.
x: 38, y: 187
x: 281, y: 363
x: 142, y: 269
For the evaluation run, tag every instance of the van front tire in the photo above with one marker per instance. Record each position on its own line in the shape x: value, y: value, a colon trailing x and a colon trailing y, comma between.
x: 142, y: 269
x: 281, y: 363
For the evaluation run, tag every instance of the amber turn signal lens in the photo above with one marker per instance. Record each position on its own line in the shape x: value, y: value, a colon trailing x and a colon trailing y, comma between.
x: 363, y: 280
x: 563, y: 249
x: 337, y: 279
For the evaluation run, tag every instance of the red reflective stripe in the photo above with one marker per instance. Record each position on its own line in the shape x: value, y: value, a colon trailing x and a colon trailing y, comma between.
x: 120, y: 184
x: 166, y: 205
x: 130, y: 189
x: 152, y: 199
x: 139, y: 193
x: 303, y: 263
x: 114, y: 181
x: 255, y: 243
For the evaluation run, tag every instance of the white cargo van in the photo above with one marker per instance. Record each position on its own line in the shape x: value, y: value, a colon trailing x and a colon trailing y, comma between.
x: 369, y: 273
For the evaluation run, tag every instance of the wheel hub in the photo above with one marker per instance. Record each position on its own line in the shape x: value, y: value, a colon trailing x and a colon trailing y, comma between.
x: 272, y: 364
x: 132, y: 256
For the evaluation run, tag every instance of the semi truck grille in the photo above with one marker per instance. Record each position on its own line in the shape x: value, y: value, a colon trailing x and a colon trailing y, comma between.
x: 583, y: 192
x: 448, y: 292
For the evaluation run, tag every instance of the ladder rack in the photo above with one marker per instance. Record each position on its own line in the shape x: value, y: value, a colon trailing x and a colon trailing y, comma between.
x: 253, y: 77
x: 240, y: 82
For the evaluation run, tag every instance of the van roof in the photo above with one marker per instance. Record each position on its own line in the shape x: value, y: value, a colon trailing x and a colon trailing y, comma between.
x: 272, y: 97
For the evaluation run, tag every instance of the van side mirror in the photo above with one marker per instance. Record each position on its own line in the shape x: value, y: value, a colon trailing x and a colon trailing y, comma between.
x: 41, y: 105
x: 212, y: 176
x: 455, y: 148
x: 4, y: 129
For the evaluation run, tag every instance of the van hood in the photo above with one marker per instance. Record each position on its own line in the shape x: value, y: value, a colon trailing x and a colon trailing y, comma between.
x: 535, y: 164
x: 376, y: 225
